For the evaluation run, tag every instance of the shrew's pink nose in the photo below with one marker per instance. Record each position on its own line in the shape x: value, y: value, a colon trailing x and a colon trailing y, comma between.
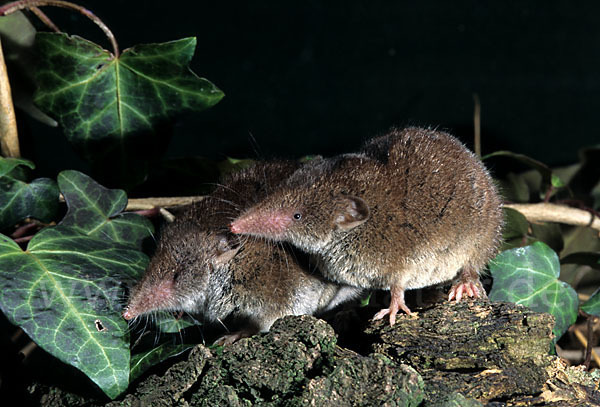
x: 235, y: 227
x: 271, y: 225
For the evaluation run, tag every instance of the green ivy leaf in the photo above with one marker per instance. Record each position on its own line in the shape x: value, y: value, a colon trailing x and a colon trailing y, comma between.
x: 7, y: 165
x: 96, y: 96
x: 96, y: 211
x: 549, y: 233
x: 230, y: 165
x: 65, y: 292
x: 37, y: 199
x: 592, y: 305
x: 168, y: 323
x: 586, y: 180
x: 557, y: 182
x: 529, y: 276
x: 596, y: 196
x: 364, y: 302
x: 514, y: 187
x: 18, y: 35
x: 112, y: 108
x: 143, y: 361
x: 548, y: 178
x: 66, y: 289
x: 543, y: 169
x: 515, y: 229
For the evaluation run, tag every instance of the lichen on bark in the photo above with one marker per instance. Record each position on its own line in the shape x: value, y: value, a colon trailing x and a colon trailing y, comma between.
x: 483, y: 350
x: 467, y: 354
x: 296, y: 364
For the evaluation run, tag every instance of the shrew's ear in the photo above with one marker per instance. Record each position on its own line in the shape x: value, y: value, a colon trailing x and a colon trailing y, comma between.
x: 351, y: 212
x: 227, y: 248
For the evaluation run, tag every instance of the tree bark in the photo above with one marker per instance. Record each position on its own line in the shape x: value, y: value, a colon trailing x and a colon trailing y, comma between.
x: 482, y: 350
x: 465, y: 354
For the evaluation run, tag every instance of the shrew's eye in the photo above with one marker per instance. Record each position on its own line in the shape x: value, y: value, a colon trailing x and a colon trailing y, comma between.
x: 297, y: 216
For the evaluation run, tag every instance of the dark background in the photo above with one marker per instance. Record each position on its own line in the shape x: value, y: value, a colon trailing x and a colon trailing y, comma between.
x: 320, y: 77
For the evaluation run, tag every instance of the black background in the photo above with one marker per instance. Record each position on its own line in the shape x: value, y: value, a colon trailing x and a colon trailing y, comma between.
x: 320, y: 77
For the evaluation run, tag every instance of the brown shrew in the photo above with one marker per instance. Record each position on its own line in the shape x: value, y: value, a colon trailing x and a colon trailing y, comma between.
x: 200, y: 267
x: 412, y: 209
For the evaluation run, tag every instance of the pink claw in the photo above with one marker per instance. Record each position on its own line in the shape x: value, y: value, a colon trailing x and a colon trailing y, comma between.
x: 396, y: 304
x: 470, y: 288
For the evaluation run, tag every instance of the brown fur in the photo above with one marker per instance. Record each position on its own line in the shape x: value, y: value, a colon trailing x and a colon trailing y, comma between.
x: 199, y: 267
x: 412, y: 209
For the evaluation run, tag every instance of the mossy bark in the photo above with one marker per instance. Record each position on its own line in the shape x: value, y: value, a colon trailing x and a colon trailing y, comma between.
x: 485, y: 351
x: 467, y: 354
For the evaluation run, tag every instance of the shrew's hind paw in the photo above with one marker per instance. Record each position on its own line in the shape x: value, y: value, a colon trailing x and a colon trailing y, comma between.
x: 396, y: 304
x: 472, y: 289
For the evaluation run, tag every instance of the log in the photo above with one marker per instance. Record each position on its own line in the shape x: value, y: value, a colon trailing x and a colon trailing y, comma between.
x: 296, y: 363
x: 467, y: 354
x: 486, y: 351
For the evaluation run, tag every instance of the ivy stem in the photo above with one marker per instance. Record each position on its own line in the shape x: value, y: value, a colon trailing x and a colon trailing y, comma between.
x: 23, y: 230
x: 148, y: 213
x: 23, y: 239
x: 589, y: 346
x: 477, y: 124
x: 28, y: 349
x: 548, y: 193
x: 29, y: 4
x: 45, y: 19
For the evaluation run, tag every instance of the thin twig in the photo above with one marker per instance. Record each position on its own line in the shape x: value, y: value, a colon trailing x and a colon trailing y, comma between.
x: 574, y: 355
x: 156, y: 211
x: 590, y: 339
x: 538, y: 212
x: 148, y: 213
x: 23, y: 230
x: 477, y: 124
x: 583, y: 341
x: 28, y: 349
x: 16, y: 335
x: 29, y: 4
x: 548, y: 193
x: 45, y: 19
x: 23, y: 239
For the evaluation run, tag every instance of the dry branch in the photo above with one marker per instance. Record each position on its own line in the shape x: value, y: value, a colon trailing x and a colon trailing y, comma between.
x: 538, y: 212
x: 547, y: 212
x: 9, y: 140
x: 164, y: 202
